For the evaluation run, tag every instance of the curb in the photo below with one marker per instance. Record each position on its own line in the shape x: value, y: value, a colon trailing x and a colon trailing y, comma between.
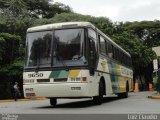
x: 154, y: 97
x: 27, y: 99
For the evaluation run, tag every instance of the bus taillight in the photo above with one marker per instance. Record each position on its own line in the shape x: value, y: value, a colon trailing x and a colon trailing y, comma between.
x: 84, y: 79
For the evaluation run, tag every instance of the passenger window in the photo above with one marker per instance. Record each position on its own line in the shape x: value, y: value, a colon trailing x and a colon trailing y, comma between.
x: 117, y: 54
x: 102, y: 46
x: 110, y: 50
x: 113, y: 51
x: 92, y: 34
x: 121, y: 57
x: 106, y: 44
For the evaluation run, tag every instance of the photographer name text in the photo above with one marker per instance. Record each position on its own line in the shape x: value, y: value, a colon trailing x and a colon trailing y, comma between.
x: 142, y: 117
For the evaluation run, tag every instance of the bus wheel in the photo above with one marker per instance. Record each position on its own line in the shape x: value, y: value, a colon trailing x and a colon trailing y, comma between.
x: 53, y: 101
x: 125, y: 94
x: 98, y: 100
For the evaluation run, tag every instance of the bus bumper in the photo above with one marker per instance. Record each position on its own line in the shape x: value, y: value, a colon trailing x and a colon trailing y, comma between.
x: 66, y: 90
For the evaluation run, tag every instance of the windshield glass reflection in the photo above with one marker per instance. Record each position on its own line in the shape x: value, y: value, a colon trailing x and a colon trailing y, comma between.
x: 69, y: 47
x: 38, y: 52
x: 66, y: 49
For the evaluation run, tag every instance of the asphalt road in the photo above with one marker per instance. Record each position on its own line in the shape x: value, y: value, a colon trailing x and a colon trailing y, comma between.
x: 135, y: 103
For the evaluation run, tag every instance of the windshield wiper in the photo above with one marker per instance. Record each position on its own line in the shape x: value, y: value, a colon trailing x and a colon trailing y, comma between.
x: 62, y: 61
x: 38, y: 66
x: 37, y: 69
x: 38, y: 62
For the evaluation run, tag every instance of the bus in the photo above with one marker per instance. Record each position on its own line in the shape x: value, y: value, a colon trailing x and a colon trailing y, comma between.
x: 74, y: 60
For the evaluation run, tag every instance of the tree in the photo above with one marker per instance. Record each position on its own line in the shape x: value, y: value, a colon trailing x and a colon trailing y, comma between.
x: 142, y: 55
x: 8, y: 50
x: 14, y: 17
x: 147, y: 31
x: 33, y: 8
x: 13, y: 7
x: 8, y: 53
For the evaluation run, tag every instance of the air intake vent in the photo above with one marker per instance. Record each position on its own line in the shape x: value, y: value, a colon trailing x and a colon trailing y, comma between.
x: 60, y: 80
x: 43, y: 80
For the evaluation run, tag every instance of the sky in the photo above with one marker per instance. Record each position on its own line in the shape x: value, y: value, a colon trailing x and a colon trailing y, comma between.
x: 117, y: 10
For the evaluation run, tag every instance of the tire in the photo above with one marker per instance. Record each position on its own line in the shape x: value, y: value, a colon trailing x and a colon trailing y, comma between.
x: 53, y: 101
x: 98, y: 100
x: 125, y: 94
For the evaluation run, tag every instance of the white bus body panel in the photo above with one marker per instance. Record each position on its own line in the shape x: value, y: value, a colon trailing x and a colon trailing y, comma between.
x: 50, y: 88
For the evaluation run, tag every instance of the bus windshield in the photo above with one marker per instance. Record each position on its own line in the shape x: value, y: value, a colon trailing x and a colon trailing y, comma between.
x: 38, y: 49
x: 69, y: 47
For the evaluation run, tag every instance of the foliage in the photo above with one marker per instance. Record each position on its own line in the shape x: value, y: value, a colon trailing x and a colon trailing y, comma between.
x: 33, y: 8
x: 5, y: 91
x: 133, y: 43
x: 147, y: 31
x: 45, y: 9
x: 9, y: 75
x: 16, y: 68
x: 8, y: 49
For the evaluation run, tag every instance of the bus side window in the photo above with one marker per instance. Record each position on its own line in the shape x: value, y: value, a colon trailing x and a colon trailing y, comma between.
x: 92, y: 35
x: 130, y: 62
x: 110, y: 51
x: 121, y: 57
x: 106, y: 45
x: 117, y: 54
x: 113, y: 51
x: 102, y: 46
x: 125, y: 59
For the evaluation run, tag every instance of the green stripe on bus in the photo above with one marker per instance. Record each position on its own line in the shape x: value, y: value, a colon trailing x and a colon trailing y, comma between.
x: 113, y: 76
x: 54, y: 74
x: 59, y: 74
x: 63, y: 74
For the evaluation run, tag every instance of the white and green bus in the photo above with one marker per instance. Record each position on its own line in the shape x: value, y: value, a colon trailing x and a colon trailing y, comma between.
x: 74, y: 60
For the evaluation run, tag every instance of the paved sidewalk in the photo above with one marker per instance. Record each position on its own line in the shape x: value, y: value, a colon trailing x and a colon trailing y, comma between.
x: 154, y: 95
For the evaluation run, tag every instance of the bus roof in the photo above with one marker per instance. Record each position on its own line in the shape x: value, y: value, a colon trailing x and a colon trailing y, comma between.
x: 60, y: 25
x: 70, y: 25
